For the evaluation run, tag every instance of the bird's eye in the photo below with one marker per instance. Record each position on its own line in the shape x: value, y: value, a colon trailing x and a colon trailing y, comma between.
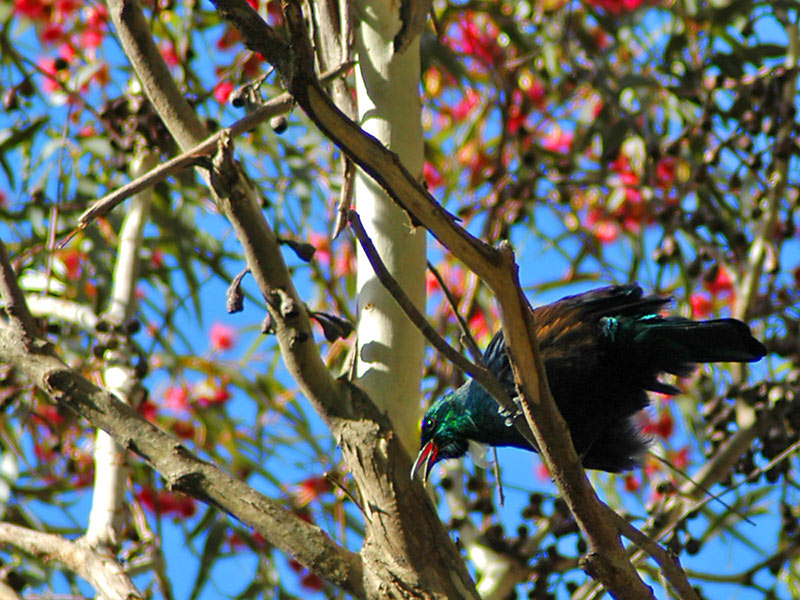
x: 426, y: 423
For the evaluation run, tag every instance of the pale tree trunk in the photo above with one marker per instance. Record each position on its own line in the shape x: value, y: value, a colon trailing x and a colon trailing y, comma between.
x: 107, y: 517
x: 390, y: 348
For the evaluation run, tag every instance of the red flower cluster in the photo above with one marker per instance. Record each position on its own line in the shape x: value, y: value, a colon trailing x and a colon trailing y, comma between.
x: 59, y: 22
x: 476, y: 39
x: 663, y: 427
x: 312, y: 488
x: 166, y: 503
x: 310, y: 581
x: 628, y: 211
x: 222, y: 91
x: 342, y: 263
x: 719, y: 289
x: 616, y: 7
x: 60, y: 448
x: 433, y: 178
x: 222, y: 337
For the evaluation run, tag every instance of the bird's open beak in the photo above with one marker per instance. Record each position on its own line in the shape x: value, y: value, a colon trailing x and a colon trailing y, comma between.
x: 426, y: 456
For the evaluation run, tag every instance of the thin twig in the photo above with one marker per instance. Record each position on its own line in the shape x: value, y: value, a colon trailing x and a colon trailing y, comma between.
x: 345, y: 196
x: 480, y: 373
x: 496, y: 468
x: 670, y: 566
x: 278, y: 105
x: 699, y: 486
x: 340, y: 484
x: 14, y: 300
x: 467, y: 337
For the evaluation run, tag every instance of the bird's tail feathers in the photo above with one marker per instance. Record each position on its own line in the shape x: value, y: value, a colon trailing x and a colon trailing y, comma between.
x: 687, y: 342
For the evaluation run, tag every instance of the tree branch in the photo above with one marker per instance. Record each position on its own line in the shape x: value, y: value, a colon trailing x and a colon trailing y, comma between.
x: 607, y: 559
x: 670, y: 565
x: 405, y: 542
x: 104, y: 573
x: 14, y: 300
x: 276, y: 106
x: 181, y: 469
x: 480, y: 373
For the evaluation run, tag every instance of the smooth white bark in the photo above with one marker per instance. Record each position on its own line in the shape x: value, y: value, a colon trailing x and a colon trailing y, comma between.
x: 106, y: 517
x: 390, y: 348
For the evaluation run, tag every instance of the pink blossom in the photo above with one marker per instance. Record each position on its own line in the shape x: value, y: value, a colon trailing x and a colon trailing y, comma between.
x: 558, y: 141
x: 222, y: 337
x: 222, y: 91
x: 176, y: 398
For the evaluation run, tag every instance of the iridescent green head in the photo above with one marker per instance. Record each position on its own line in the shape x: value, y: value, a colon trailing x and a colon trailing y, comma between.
x: 443, y: 434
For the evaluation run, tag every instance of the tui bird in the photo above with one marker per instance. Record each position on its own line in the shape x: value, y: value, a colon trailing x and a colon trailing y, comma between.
x: 602, y: 350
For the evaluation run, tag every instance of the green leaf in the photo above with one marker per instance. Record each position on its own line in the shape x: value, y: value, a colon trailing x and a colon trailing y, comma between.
x: 211, y: 552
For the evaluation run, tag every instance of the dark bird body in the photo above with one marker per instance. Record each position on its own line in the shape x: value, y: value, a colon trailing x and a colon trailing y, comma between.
x: 603, y: 351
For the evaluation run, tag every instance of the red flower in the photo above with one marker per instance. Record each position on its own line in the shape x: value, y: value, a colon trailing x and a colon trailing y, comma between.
x: 147, y: 498
x: 615, y: 7
x: 169, y: 54
x: 558, y: 141
x: 605, y: 231
x: 67, y: 7
x: 701, y: 305
x: 91, y: 38
x: 431, y: 283
x: 33, y: 9
x: 620, y: 164
x: 183, y: 429
x: 221, y: 395
x: 229, y: 38
x: 72, y: 260
x: 186, y: 507
x: 433, y: 178
x: 680, y: 459
x: 52, y: 33
x: 48, y: 414
x: 344, y: 262
x: 663, y: 428
x: 479, y: 42
x: 252, y: 65
x: 222, y: 337
x: 536, y: 92
x: 631, y: 483
x: 470, y: 100
x: 148, y: 410
x: 322, y: 246
x: 515, y: 118
x: 721, y: 284
x: 157, y: 259
x: 478, y: 324
x: 222, y: 91
x: 176, y: 398
x: 166, y: 502
x: 48, y: 66
x: 665, y: 171
x: 235, y: 541
x: 312, y: 488
x: 312, y: 582
x: 96, y: 16
x: 542, y: 472
x: 67, y: 52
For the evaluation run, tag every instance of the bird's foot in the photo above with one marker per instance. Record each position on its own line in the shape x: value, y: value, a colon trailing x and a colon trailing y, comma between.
x: 509, y: 415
